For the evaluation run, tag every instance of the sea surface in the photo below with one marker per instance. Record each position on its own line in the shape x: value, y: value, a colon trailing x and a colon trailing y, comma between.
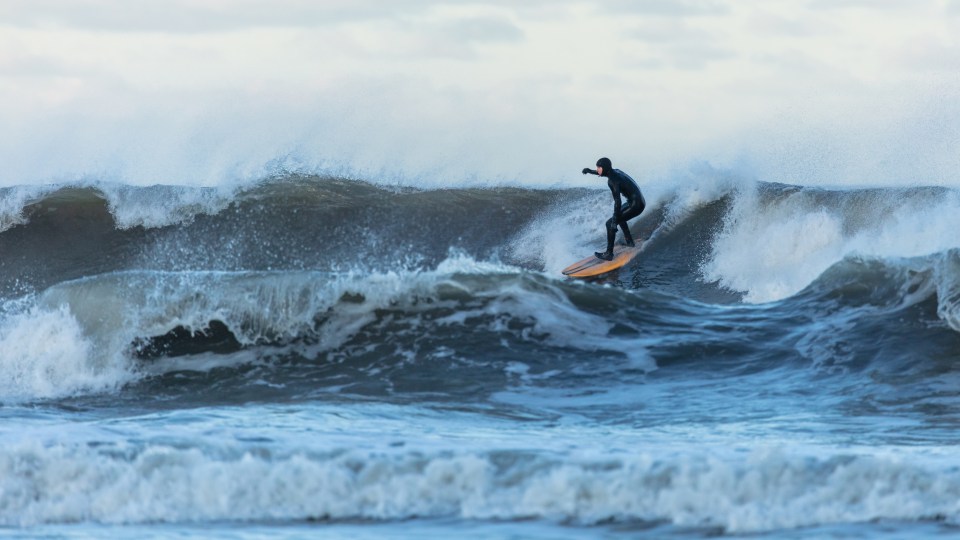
x: 309, y: 356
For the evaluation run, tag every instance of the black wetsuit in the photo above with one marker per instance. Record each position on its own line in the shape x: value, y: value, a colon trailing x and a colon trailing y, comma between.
x: 620, y: 183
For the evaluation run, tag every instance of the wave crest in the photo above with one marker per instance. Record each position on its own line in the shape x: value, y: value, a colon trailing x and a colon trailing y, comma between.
x: 769, y: 490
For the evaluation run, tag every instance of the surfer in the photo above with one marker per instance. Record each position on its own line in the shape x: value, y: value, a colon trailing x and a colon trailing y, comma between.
x: 620, y: 183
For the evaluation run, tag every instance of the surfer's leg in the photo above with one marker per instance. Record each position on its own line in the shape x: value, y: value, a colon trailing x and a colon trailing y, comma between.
x: 628, y: 213
x: 611, y: 236
x: 627, y: 238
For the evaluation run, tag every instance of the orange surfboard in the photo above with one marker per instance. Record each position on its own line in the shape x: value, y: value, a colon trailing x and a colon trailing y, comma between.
x: 592, y: 266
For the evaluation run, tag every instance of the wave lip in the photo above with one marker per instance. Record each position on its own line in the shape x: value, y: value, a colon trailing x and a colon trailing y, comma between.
x: 768, y: 490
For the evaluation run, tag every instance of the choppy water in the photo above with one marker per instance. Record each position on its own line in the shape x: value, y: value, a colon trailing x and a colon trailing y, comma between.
x: 323, y: 356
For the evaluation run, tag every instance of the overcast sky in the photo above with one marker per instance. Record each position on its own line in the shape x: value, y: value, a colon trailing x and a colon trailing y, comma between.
x: 194, y: 91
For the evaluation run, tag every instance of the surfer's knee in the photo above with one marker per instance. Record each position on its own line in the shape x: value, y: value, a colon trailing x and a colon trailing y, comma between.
x: 612, y: 224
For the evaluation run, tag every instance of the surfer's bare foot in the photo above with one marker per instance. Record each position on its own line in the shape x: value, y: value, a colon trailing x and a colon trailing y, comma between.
x: 606, y: 255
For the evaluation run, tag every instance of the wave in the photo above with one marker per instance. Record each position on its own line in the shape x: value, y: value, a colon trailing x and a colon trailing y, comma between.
x: 711, y: 237
x: 307, y: 223
x: 101, y: 328
x: 401, y: 334
x: 778, y: 239
x: 328, y: 270
x: 766, y: 490
x: 296, y: 224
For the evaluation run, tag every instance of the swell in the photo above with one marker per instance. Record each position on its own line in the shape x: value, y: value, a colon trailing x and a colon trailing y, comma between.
x: 374, y: 288
x: 758, y: 242
x: 299, y: 223
x: 318, y: 224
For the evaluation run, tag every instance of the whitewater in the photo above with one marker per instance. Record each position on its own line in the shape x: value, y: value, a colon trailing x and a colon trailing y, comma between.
x: 308, y: 354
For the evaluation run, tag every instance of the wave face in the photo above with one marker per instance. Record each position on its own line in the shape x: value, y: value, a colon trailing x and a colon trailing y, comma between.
x: 789, y: 352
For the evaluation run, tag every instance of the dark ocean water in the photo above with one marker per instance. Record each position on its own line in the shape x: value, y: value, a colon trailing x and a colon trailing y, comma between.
x: 323, y: 356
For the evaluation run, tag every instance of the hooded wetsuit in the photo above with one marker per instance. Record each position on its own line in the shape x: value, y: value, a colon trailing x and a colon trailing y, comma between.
x: 620, y: 183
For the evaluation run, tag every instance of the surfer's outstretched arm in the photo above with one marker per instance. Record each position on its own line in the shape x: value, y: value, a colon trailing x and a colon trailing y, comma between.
x: 588, y: 170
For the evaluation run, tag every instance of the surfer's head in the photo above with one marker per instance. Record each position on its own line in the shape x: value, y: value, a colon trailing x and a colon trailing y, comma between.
x: 604, y: 166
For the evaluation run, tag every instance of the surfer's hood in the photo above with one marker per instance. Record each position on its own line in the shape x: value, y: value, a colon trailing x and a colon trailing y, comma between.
x: 607, y: 166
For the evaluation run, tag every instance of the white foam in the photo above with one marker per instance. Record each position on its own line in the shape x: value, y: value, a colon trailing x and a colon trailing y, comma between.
x: 763, y: 490
x: 685, y: 190
x: 130, y: 206
x: 44, y: 353
x: 770, y: 251
x: 13, y: 200
x: 159, y: 206
x: 563, y: 234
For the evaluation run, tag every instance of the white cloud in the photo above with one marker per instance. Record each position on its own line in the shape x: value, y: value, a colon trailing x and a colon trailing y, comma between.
x: 665, y: 8
x: 194, y: 16
x: 677, y: 43
x: 495, y: 87
x: 869, y: 5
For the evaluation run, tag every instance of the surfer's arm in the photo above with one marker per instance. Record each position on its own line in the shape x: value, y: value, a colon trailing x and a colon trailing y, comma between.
x: 588, y: 170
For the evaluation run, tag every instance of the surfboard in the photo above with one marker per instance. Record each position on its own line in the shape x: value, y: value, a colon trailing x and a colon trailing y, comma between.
x: 592, y: 266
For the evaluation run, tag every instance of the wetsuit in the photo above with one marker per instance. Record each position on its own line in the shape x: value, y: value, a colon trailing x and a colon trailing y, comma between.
x: 621, y: 183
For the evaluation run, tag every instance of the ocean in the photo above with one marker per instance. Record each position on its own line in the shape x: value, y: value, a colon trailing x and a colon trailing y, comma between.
x: 316, y: 356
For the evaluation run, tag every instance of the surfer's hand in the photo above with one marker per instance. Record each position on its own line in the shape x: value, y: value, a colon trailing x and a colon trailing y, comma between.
x: 587, y: 170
